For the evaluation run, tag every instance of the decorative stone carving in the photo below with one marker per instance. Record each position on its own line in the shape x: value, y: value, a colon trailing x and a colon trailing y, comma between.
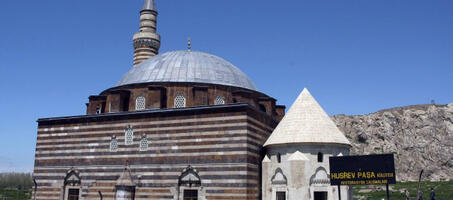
x: 72, y: 177
x: 147, y: 42
x: 320, y: 177
x: 279, y: 178
x: 189, y: 177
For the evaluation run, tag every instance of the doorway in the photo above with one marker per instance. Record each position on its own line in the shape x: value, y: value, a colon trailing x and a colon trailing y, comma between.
x: 320, y: 195
x: 281, y: 195
x: 190, y: 195
x: 73, y: 194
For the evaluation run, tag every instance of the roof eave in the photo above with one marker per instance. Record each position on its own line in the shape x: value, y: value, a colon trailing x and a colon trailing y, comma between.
x: 267, y: 145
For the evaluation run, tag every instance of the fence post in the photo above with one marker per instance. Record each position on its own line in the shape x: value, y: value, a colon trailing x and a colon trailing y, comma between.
x: 36, y: 189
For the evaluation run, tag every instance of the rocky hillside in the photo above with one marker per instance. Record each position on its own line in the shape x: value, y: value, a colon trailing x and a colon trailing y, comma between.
x: 421, y: 137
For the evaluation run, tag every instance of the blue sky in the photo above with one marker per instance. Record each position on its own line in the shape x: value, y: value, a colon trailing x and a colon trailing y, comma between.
x: 355, y: 57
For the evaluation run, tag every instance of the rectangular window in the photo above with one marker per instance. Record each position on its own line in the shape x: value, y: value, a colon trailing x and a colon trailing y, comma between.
x: 190, y: 194
x: 73, y: 194
x: 281, y: 195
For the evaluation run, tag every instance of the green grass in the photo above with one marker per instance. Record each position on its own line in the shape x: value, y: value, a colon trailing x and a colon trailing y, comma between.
x: 6, y: 194
x: 444, y: 191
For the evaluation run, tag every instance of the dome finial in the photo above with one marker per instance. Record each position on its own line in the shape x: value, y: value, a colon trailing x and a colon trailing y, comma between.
x: 189, y: 44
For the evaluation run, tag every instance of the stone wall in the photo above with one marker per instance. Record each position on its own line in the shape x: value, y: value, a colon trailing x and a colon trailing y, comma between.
x: 303, y: 174
x: 162, y: 95
x: 223, y: 143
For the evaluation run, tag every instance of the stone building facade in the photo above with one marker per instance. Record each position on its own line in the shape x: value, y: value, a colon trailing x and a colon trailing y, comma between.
x: 178, y: 125
x: 183, y: 125
x: 296, y: 165
x: 218, y: 145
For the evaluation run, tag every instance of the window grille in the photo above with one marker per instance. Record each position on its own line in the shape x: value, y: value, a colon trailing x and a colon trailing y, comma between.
x: 140, y: 103
x: 113, y: 144
x: 219, y: 100
x: 143, y: 143
x: 180, y: 101
x: 128, y: 136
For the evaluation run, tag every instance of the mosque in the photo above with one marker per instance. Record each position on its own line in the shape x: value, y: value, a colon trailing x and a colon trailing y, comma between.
x: 187, y: 125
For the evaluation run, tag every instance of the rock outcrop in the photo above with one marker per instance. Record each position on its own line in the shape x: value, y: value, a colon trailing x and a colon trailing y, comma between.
x: 420, y: 136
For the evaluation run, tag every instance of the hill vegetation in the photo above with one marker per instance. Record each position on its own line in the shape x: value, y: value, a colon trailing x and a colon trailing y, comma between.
x: 443, y: 191
x: 20, y: 181
x: 15, y: 186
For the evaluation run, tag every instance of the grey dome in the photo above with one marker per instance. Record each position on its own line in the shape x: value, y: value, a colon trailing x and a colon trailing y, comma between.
x: 187, y: 66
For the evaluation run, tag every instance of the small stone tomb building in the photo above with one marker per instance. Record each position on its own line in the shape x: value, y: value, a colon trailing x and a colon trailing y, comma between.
x: 296, y: 165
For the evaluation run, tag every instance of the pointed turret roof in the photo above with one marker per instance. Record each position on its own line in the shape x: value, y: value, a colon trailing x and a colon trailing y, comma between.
x: 126, y: 178
x: 149, y: 5
x: 306, y: 122
x: 297, y: 156
x: 266, y: 159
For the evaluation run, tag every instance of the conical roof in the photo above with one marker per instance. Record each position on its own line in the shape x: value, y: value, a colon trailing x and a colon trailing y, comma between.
x: 306, y: 122
x: 149, y: 5
x: 126, y: 178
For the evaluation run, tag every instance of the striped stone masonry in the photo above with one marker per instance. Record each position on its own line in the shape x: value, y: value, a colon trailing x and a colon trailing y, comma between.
x: 222, y: 143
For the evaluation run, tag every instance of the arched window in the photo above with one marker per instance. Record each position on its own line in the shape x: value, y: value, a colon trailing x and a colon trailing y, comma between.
x: 113, y: 144
x: 219, y: 100
x: 143, y: 143
x: 128, y: 135
x: 180, y: 101
x: 262, y: 108
x: 98, y: 109
x: 140, y: 103
x: 320, y: 157
x: 279, y: 158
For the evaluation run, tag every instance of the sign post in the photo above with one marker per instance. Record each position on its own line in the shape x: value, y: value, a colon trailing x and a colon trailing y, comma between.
x: 387, y: 189
x: 362, y: 170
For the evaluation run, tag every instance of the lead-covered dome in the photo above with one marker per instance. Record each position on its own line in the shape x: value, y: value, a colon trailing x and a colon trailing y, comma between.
x: 187, y: 66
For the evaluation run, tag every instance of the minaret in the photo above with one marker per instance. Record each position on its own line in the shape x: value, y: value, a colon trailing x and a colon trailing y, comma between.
x: 146, y: 41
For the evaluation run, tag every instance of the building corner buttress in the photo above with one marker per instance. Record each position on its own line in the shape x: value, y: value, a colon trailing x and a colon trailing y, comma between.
x: 146, y: 41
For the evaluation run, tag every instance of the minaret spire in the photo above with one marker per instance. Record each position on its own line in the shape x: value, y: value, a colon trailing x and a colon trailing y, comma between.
x: 147, y: 41
x: 149, y: 5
